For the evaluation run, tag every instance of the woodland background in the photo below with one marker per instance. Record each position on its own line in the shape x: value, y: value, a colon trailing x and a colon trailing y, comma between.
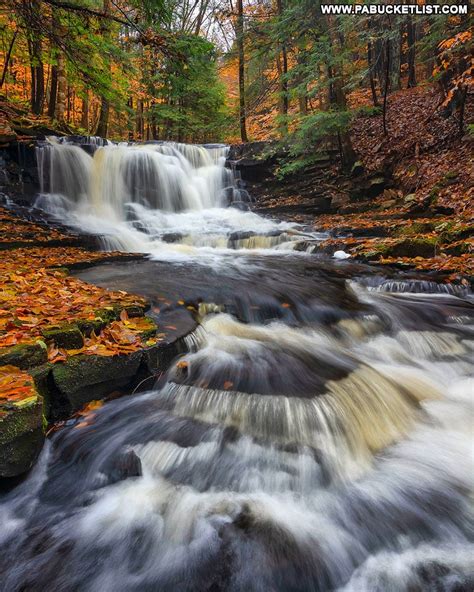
x: 213, y: 70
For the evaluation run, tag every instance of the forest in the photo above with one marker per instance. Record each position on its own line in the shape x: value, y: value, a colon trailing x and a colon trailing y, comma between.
x: 214, y: 70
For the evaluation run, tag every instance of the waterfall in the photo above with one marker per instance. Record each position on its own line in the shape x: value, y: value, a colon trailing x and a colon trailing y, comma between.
x: 170, y: 177
x: 173, y: 200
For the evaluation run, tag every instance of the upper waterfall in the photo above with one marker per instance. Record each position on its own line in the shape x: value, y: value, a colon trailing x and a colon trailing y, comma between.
x: 172, y: 200
x: 106, y: 179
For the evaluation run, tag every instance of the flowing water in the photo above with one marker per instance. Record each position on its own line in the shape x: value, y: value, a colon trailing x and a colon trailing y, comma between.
x: 316, y: 436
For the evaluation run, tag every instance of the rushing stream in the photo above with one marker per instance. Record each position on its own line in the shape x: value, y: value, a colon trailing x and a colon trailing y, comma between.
x: 316, y: 436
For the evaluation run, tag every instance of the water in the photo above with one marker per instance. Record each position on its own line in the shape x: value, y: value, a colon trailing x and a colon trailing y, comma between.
x: 316, y: 436
x: 171, y: 200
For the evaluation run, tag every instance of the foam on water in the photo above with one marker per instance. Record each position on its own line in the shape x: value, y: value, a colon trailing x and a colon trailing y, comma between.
x: 174, y: 201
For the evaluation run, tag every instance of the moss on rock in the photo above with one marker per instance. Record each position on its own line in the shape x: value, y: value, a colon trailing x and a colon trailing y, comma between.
x: 84, y: 378
x: 25, y: 355
x: 21, y: 435
x: 65, y: 336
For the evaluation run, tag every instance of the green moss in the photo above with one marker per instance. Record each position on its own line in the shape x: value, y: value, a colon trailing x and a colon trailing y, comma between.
x: 415, y: 247
x: 87, y: 326
x: 21, y: 435
x: 413, y: 229
x: 65, y: 336
x: 24, y: 355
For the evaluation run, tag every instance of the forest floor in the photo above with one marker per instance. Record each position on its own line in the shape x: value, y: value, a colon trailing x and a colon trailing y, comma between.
x: 47, y: 316
x: 423, y: 212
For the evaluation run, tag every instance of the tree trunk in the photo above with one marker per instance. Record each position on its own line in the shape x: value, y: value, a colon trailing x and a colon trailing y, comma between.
x: 53, y: 92
x: 7, y: 57
x: 103, y: 124
x: 85, y: 113
x: 395, y: 61
x: 411, y: 38
x: 370, y: 66
x: 139, y: 120
x: 240, y: 46
x: 283, y: 83
x: 386, y: 87
x: 338, y: 98
x: 61, y: 88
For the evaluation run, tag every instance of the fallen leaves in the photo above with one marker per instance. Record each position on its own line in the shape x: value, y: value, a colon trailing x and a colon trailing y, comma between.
x: 15, y: 385
x: 37, y: 295
x: 33, y: 300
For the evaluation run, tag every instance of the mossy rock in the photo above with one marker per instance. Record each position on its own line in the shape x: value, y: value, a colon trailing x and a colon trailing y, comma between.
x: 112, y: 313
x: 21, y: 435
x: 89, y: 326
x: 65, y: 336
x: 414, y: 247
x: 86, y: 378
x: 24, y: 355
x: 414, y: 229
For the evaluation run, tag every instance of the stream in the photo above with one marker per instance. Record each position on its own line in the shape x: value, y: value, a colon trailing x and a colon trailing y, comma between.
x: 316, y: 436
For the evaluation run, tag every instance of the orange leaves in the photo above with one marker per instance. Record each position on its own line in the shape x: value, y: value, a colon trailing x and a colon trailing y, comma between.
x: 15, y: 385
x: 458, y: 39
x: 26, y: 257
x: 117, y: 338
x: 35, y: 299
x: 55, y: 354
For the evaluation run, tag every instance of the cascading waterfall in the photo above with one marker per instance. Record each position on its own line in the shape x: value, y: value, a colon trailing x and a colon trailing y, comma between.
x: 316, y: 435
x: 163, y: 198
x: 271, y: 457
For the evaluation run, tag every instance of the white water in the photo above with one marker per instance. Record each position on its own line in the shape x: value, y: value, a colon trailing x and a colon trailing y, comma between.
x: 175, y: 201
x: 328, y: 450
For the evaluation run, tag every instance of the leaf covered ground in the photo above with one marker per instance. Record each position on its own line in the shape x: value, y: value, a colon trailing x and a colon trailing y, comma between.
x: 40, y: 303
x: 426, y: 221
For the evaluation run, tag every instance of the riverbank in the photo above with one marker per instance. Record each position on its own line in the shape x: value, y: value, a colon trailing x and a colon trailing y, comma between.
x: 408, y: 201
x: 63, y: 342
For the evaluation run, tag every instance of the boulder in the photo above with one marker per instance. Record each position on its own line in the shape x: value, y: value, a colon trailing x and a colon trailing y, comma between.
x: 21, y: 435
x: 86, y: 378
x: 66, y: 336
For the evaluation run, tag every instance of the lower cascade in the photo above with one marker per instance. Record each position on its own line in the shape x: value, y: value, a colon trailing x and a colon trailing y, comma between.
x: 315, y: 436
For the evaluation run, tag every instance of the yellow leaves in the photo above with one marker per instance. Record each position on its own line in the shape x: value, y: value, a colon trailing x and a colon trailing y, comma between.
x: 182, y: 365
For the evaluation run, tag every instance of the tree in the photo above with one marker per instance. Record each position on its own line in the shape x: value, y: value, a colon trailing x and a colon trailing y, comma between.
x: 239, y: 30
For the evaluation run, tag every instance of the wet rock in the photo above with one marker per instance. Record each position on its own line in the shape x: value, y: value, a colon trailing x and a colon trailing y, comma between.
x: 126, y: 465
x: 172, y: 237
x: 85, y: 378
x: 21, y: 435
x: 24, y: 356
x: 240, y: 205
x: 66, y: 336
